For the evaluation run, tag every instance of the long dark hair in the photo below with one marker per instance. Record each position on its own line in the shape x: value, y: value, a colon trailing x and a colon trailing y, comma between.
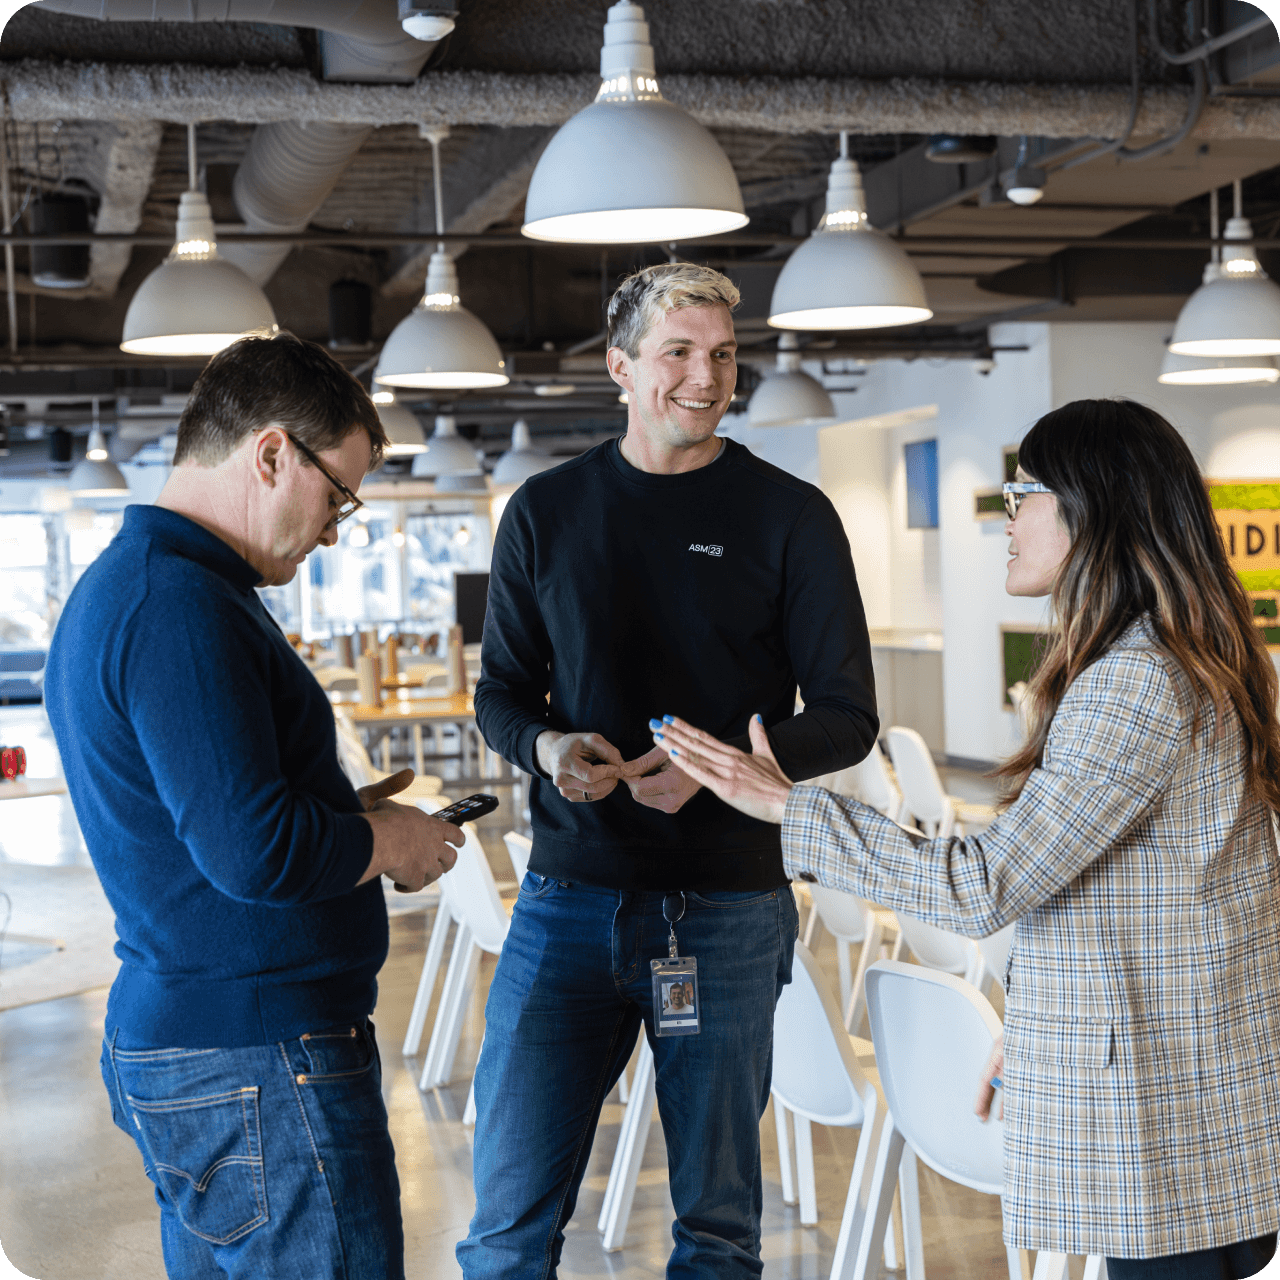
x: 1143, y: 541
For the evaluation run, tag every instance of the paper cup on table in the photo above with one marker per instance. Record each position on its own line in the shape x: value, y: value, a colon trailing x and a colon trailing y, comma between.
x: 367, y: 680
x: 391, y: 665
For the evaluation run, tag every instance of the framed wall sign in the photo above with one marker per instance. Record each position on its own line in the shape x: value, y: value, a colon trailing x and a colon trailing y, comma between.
x: 1248, y: 516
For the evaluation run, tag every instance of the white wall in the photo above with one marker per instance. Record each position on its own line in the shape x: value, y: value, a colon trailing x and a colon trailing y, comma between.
x: 953, y: 579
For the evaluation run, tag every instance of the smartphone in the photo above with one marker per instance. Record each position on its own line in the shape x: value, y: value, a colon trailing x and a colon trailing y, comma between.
x: 475, y: 806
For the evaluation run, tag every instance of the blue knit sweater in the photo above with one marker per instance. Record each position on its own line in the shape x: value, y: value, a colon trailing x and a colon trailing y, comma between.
x: 200, y: 755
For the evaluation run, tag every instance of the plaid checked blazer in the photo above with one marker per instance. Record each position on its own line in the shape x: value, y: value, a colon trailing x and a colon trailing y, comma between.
x: 1142, y: 1024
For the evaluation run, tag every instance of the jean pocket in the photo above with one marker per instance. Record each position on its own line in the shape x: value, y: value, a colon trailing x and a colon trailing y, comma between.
x: 205, y: 1155
x: 338, y: 1054
x: 728, y: 898
x: 536, y: 886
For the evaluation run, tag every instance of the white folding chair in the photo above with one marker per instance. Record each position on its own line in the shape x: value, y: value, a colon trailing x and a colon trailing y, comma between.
x: 354, y: 761
x: 933, y: 1034
x: 816, y: 1078
x: 871, y: 783
x: 520, y: 850
x: 937, y: 813
x: 851, y: 922
x: 633, y: 1133
x: 473, y: 900
x: 940, y: 949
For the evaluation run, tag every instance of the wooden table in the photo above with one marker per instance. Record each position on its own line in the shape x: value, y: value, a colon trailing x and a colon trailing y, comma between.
x: 456, y: 709
x: 24, y: 786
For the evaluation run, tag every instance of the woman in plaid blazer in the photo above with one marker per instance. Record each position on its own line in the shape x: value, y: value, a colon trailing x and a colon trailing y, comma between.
x: 1142, y: 1026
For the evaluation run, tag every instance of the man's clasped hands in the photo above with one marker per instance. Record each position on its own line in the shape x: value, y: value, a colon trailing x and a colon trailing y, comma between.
x: 586, y: 767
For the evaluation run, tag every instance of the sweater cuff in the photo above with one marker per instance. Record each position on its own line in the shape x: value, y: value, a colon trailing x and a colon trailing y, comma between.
x: 354, y: 853
x: 527, y: 750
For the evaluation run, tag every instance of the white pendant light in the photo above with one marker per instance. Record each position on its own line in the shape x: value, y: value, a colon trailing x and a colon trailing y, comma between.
x: 1236, y: 311
x: 522, y: 460
x: 404, y: 431
x: 440, y: 344
x: 789, y: 397
x: 1198, y: 371
x: 847, y: 275
x: 194, y: 303
x: 632, y: 167
x: 97, y: 476
x: 447, y: 453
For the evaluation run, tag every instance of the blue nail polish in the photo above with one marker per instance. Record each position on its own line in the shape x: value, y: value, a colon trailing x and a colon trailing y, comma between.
x: 655, y: 724
x: 659, y: 737
x: 673, y: 751
x: 668, y: 719
x: 759, y: 718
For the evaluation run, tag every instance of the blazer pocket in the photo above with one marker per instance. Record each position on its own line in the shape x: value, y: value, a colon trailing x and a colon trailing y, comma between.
x: 1061, y: 1042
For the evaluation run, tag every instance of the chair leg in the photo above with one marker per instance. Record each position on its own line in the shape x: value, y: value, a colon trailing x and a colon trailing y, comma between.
x: 1095, y: 1267
x: 469, y: 1112
x: 884, y: 1178
x: 784, y: 1151
x: 629, y: 1119
x: 899, y: 947
x: 912, y: 1233
x: 844, y: 963
x: 811, y: 927
x: 856, y: 1009
x: 631, y: 1149
x: 805, y: 1184
x: 427, y: 983
x: 1050, y: 1266
x: 854, y: 1220
x: 459, y: 980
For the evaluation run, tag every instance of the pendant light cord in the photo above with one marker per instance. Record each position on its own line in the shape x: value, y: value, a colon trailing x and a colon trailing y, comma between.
x: 1213, y: 224
x: 844, y: 144
x: 191, y: 158
x: 1237, y: 192
x: 436, y: 134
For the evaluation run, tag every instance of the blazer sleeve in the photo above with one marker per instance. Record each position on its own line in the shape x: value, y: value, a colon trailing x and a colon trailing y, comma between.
x: 1113, y: 746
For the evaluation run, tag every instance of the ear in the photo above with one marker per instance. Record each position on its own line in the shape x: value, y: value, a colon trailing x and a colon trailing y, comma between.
x: 619, y: 365
x: 268, y: 447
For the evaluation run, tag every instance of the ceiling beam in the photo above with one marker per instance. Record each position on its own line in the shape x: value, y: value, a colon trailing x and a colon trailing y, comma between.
x: 185, y: 93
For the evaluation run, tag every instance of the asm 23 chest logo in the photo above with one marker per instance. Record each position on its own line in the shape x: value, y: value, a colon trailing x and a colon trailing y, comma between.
x: 706, y: 548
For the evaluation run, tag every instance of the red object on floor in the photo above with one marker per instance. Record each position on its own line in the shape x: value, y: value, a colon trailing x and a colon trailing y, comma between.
x: 13, y: 761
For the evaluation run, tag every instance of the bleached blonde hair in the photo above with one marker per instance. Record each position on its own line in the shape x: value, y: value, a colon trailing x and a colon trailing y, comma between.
x: 645, y: 295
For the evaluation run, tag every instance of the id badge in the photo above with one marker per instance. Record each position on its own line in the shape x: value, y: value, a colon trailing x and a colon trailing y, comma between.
x: 676, y: 1002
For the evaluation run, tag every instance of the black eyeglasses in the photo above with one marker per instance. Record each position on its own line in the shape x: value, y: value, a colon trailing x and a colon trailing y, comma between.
x: 1015, y: 491
x: 352, y: 504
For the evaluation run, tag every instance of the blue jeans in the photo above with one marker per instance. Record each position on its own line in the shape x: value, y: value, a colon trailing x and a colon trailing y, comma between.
x: 570, y: 993
x: 272, y: 1162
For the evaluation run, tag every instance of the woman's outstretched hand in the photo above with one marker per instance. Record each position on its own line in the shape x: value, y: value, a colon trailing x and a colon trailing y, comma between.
x: 751, y: 783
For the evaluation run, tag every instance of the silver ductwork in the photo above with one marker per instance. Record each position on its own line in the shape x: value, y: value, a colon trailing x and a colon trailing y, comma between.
x: 285, y: 176
x: 290, y: 168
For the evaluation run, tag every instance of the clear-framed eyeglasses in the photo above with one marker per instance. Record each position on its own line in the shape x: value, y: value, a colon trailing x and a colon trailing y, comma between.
x: 1015, y: 490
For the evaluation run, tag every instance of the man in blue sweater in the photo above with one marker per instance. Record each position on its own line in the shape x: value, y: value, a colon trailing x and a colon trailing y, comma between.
x: 243, y: 868
x: 664, y: 572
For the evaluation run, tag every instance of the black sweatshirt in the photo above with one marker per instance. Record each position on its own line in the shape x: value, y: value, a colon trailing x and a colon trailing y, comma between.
x: 706, y: 595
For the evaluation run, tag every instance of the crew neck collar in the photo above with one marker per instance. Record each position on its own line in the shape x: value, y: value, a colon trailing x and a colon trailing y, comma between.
x: 655, y: 480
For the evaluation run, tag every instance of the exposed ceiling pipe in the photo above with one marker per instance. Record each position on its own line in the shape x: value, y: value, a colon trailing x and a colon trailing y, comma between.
x: 285, y: 176
x: 367, y: 41
x: 291, y: 167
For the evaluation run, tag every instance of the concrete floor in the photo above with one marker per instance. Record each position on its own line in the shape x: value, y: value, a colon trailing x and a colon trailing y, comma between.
x: 75, y: 1205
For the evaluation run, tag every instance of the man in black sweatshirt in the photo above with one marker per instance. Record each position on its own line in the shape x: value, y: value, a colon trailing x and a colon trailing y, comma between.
x: 669, y: 572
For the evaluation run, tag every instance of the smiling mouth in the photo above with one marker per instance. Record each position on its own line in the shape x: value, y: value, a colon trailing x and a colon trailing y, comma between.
x: 694, y: 404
